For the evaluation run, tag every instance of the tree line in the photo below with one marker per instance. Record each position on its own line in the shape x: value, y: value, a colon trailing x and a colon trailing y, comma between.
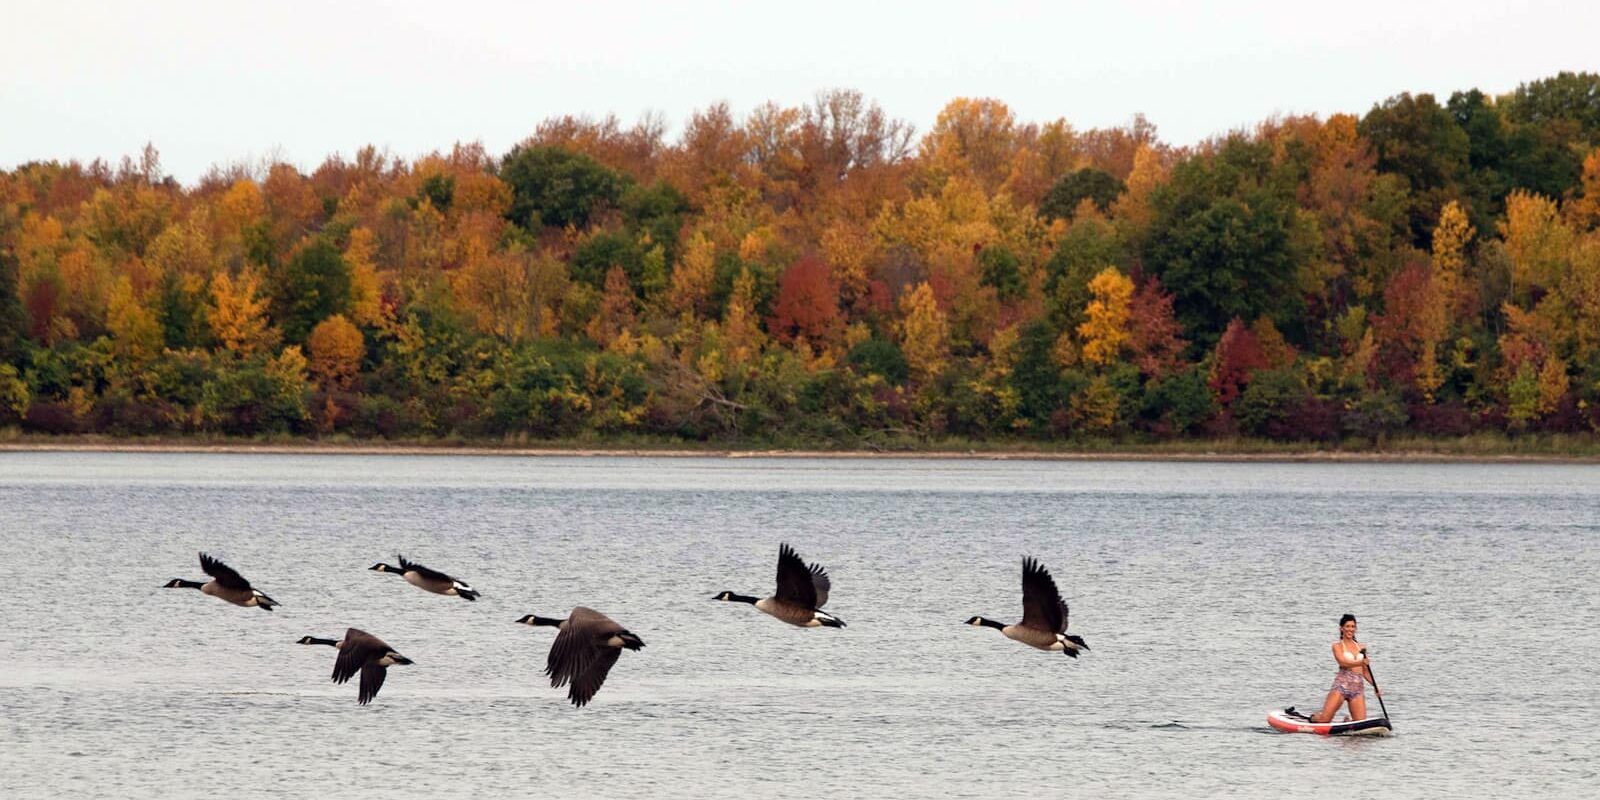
x: 825, y: 274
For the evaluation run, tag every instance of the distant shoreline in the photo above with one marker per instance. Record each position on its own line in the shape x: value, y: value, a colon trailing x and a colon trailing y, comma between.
x: 1228, y: 452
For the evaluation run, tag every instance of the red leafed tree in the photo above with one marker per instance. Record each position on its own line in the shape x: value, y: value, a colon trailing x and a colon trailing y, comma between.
x: 807, y: 304
x: 1412, y: 321
x: 1153, y: 331
x: 1238, y: 357
x: 43, y: 301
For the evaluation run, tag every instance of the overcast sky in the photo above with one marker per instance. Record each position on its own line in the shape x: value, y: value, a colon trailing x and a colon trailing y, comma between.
x: 220, y: 81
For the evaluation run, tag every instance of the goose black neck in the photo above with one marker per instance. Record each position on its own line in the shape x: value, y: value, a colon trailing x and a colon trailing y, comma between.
x: 738, y: 598
x: 328, y: 642
x: 547, y: 621
x: 989, y: 623
x: 179, y: 583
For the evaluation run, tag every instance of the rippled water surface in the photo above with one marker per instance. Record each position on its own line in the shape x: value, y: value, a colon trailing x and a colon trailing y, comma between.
x: 1208, y: 592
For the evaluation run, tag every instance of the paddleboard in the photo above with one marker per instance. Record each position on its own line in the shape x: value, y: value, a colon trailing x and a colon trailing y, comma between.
x: 1294, y: 723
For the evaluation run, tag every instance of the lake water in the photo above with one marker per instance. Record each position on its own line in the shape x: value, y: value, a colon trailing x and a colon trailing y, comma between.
x: 1209, y: 593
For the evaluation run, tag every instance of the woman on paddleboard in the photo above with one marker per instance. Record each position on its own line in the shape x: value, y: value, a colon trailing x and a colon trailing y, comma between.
x: 1350, y: 682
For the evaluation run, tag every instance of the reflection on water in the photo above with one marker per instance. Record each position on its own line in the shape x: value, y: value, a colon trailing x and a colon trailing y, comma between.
x: 1209, y: 593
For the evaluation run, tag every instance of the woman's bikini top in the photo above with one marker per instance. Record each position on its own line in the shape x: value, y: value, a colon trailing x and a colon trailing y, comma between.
x: 1348, y: 657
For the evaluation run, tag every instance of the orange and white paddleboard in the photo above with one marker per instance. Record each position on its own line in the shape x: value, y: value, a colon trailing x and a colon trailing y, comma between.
x: 1295, y: 723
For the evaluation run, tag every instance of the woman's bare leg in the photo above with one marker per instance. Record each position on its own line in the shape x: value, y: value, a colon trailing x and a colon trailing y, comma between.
x: 1358, y: 707
x: 1329, y: 707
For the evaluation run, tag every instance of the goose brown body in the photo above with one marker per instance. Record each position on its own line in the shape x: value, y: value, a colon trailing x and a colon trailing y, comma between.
x: 1044, y: 615
x: 362, y: 652
x: 225, y: 584
x: 801, y: 593
x: 428, y: 580
x: 584, y: 651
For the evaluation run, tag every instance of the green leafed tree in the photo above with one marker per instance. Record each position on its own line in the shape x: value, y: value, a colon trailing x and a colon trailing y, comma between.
x: 656, y: 209
x: 551, y: 186
x: 880, y: 357
x: 313, y: 285
x: 1567, y: 96
x: 1063, y: 199
x: 1000, y: 268
x: 1222, y: 240
x: 1419, y: 140
x: 12, y: 320
x: 1089, y: 246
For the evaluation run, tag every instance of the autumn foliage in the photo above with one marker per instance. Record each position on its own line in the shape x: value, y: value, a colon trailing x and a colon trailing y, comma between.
x: 822, y: 273
x: 807, y: 305
x: 336, y: 349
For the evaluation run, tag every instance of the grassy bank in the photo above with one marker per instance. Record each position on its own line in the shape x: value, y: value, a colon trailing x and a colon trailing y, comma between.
x: 1478, y: 447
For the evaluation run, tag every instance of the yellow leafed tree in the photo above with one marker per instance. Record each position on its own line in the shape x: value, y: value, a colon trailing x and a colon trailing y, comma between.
x: 1450, y: 238
x: 241, y: 209
x: 184, y: 248
x: 1536, y: 239
x: 973, y: 136
x: 741, y: 330
x: 133, y: 327
x: 497, y: 290
x: 846, y: 247
x: 238, y: 316
x: 1106, y: 329
x: 1132, y: 209
x: 1094, y: 410
x: 241, y: 206
x: 1553, y: 384
x: 924, y: 333
x: 692, y: 279
x: 364, y: 291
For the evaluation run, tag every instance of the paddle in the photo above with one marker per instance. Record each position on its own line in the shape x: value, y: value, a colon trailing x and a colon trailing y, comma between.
x: 1374, y: 680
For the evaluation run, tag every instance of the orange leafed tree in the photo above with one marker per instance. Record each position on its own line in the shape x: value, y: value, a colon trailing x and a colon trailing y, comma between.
x: 336, y: 351
x: 1154, y: 333
x: 807, y: 305
x: 616, y: 308
x: 1584, y: 209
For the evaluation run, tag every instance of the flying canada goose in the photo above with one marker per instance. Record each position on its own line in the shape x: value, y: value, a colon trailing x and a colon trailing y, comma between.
x: 428, y: 579
x: 1044, y: 615
x: 362, y: 651
x: 225, y: 584
x: 802, y: 592
x: 587, y: 646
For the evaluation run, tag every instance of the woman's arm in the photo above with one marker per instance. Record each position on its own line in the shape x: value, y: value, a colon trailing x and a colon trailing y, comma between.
x: 1366, y: 672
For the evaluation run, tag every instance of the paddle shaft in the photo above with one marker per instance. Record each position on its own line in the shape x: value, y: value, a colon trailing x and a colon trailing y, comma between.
x: 1374, y: 680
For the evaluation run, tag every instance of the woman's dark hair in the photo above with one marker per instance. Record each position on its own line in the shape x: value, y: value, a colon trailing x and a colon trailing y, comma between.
x: 1346, y: 618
